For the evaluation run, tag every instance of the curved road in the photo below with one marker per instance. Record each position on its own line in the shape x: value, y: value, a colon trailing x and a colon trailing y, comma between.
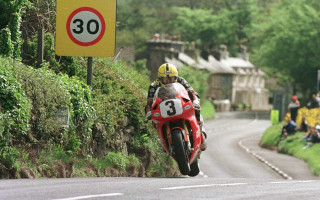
x: 233, y: 150
x: 230, y: 170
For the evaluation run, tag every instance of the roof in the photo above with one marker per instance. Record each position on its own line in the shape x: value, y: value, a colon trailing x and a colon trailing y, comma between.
x: 186, y: 59
x: 221, y: 68
x: 236, y: 62
x: 174, y: 61
x: 241, y: 71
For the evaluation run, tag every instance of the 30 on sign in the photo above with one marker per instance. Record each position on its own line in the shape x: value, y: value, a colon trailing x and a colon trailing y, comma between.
x: 85, y: 26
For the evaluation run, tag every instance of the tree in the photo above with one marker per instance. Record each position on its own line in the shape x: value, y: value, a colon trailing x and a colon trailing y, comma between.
x: 10, y: 19
x: 206, y: 27
x: 288, y: 43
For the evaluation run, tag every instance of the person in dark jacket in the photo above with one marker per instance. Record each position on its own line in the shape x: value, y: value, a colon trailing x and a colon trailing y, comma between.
x: 293, y: 107
x: 289, y: 128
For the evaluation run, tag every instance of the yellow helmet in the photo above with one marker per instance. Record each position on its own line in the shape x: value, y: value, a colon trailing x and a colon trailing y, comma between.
x: 167, y: 70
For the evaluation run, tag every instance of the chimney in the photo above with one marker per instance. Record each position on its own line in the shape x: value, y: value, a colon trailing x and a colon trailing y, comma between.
x: 243, y: 53
x: 224, y: 54
x: 216, y: 53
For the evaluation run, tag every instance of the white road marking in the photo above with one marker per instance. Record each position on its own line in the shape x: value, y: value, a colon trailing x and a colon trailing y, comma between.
x: 273, y: 167
x: 286, y: 182
x: 91, y: 196
x: 200, y: 186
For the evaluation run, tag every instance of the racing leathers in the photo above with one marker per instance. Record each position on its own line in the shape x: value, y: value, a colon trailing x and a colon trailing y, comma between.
x: 192, y: 94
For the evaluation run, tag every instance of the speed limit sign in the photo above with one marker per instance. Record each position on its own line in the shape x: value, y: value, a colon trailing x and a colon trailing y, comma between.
x: 86, y: 28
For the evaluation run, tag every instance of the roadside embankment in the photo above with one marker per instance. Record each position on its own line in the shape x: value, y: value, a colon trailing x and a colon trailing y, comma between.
x: 294, y: 145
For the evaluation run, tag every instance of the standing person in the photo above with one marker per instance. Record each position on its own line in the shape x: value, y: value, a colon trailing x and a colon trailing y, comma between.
x: 314, y: 102
x: 293, y: 107
x: 168, y: 73
x: 318, y: 98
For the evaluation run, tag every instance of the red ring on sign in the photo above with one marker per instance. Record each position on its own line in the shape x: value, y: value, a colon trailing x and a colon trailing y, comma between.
x: 103, y: 26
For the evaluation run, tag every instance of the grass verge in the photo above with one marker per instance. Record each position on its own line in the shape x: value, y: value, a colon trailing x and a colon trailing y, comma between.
x: 207, y: 110
x: 294, y: 145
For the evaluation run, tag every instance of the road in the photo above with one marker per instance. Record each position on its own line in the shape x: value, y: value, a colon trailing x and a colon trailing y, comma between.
x: 233, y: 150
x: 230, y: 170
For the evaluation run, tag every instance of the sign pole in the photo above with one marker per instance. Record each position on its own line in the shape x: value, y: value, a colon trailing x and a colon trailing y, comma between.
x: 89, y: 71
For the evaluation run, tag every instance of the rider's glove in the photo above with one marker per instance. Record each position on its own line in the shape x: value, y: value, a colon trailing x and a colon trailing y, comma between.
x: 196, y: 104
x: 148, y: 115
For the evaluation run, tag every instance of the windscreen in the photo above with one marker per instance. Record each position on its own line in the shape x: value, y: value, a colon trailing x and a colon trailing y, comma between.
x: 169, y: 92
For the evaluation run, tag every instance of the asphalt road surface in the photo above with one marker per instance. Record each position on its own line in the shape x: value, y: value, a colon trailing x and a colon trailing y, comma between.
x: 234, y: 151
x: 233, y: 167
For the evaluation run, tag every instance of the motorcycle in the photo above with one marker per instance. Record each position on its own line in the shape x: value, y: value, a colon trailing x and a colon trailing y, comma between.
x: 174, y: 116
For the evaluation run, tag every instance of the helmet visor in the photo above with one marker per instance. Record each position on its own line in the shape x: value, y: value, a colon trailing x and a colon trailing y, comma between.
x: 168, y: 80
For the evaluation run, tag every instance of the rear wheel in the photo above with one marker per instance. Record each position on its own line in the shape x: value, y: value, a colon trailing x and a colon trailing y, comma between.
x: 179, y: 152
x: 194, y: 168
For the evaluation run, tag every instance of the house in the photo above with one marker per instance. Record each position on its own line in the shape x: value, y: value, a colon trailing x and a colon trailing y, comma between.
x: 248, y: 84
x: 232, y: 80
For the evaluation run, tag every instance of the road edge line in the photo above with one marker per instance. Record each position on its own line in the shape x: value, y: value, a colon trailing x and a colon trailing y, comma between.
x: 264, y: 161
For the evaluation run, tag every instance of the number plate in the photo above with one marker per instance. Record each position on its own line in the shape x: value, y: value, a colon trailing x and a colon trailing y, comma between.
x: 170, y: 108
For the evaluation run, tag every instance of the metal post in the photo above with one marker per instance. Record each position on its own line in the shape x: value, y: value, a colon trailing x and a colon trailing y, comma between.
x: 40, y: 50
x: 89, y: 71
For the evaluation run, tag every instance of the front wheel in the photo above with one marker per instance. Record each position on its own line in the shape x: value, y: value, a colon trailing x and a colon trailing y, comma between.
x: 195, y: 170
x: 180, y: 152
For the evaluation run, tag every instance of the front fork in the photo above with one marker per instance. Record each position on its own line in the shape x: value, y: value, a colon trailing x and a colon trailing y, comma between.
x: 185, y: 133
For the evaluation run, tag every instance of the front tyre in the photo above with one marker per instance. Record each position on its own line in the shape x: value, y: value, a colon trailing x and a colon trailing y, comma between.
x: 194, y: 168
x: 180, y: 152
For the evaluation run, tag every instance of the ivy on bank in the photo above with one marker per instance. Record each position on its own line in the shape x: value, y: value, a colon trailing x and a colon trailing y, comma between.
x: 30, y: 100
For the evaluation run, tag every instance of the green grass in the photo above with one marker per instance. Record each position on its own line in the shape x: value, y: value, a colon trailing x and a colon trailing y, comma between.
x: 294, y: 146
x: 271, y: 136
x: 207, y: 110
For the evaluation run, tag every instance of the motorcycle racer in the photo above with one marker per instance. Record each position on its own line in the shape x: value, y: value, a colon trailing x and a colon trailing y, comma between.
x: 168, y: 73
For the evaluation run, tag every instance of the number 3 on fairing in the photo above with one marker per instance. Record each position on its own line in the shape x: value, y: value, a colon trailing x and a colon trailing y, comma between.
x: 171, y: 108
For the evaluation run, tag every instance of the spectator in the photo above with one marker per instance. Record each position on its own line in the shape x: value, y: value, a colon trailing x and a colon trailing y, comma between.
x: 313, y: 136
x: 293, y: 107
x: 314, y: 102
x: 304, y: 125
x: 318, y: 98
x: 288, y: 129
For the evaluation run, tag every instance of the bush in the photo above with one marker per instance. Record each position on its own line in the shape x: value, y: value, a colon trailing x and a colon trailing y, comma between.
x: 197, y: 79
x: 47, y: 93
x: 117, y: 160
x: 14, y: 114
x: 47, y: 96
x: 120, y: 94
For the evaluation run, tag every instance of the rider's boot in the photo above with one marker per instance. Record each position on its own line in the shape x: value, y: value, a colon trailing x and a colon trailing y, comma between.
x: 203, y: 145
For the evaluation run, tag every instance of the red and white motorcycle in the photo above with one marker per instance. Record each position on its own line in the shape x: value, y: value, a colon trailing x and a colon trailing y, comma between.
x: 177, y: 126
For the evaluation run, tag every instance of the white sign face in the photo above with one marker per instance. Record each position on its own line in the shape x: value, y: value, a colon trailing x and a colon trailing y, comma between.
x: 85, y: 26
x: 170, y: 108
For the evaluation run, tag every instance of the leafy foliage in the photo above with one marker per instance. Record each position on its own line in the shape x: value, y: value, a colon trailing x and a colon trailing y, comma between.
x: 14, y: 114
x: 288, y: 43
x: 197, y: 79
x: 119, y: 94
x: 10, y: 19
x: 46, y: 92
